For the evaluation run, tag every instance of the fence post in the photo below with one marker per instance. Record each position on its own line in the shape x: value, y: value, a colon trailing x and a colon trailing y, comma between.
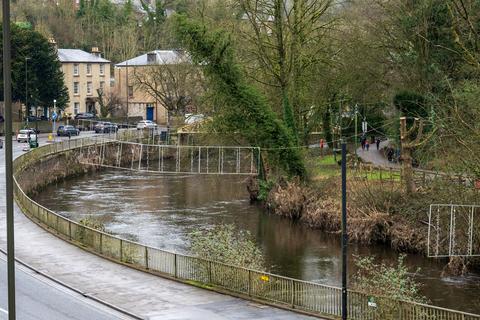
x: 56, y: 224
x: 70, y: 230
x: 293, y: 294
x: 101, y: 243
x: 175, y: 265
x: 209, y: 271
x: 121, y: 250
x: 249, y: 283
x: 146, y: 257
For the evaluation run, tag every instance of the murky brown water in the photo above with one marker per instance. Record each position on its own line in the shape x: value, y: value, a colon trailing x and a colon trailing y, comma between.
x: 162, y: 210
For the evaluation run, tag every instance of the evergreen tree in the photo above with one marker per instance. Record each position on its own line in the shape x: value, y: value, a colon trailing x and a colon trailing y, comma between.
x: 44, y: 75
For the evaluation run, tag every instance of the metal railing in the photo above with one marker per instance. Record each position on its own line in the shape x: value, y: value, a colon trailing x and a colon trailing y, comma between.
x: 318, y: 299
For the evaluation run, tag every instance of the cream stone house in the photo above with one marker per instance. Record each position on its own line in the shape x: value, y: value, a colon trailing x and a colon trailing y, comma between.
x: 84, y: 74
x: 141, y: 103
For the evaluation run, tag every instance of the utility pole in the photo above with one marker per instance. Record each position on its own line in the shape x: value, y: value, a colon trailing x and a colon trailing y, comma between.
x: 128, y: 88
x: 356, y: 128
x: 7, y: 90
x: 344, y: 230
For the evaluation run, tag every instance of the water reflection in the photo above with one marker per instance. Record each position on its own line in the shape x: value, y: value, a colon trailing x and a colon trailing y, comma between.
x: 162, y: 210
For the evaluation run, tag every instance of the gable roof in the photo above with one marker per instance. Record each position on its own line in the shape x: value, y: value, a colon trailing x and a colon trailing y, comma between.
x: 77, y: 55
x: 162, y: 57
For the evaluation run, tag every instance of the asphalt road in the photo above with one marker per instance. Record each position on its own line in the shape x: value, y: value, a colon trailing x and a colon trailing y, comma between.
x: 37, y: 297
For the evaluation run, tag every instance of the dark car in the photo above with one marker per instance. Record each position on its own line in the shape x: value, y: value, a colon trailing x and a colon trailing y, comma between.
x: 85, y: 116
x: 105, y: 127
x: 67, y: 131
x: 32, y: 118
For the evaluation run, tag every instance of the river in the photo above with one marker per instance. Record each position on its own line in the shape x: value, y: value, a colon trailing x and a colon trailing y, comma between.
x: 161, y: 210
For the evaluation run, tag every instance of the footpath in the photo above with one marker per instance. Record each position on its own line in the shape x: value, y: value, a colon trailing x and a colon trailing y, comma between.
x: 146, y: 295
x: 376, y: 157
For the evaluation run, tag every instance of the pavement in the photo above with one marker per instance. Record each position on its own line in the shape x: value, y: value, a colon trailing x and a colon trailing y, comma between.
x: 143, y: 294
x: 377, y: 157
x: 39, y: 298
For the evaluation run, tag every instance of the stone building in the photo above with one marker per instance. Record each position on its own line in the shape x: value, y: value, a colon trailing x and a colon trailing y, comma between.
x: 140, y: 103
x: 84, y: 75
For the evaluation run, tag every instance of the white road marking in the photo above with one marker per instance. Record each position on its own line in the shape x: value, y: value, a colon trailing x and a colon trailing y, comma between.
x: 4, y: 311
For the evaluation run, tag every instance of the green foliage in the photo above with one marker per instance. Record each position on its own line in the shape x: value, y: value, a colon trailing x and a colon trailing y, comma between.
x: 43, y: 64
x: 244, y: 110
x: 264, y: 189
x: 224, y: 243
x: 410, y: 104
x: 391, y: 281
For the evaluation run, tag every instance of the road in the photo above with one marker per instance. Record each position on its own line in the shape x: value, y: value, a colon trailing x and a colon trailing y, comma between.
x: 40, y: 298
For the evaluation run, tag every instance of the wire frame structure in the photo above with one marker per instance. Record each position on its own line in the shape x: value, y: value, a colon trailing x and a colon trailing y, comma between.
x: 172, y: 159
x: 453, y: 231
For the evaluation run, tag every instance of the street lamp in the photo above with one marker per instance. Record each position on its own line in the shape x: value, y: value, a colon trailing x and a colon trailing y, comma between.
x: 7, y: 95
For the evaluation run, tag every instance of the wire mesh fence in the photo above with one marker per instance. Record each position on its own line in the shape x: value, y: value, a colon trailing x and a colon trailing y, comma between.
x: 319, y: 299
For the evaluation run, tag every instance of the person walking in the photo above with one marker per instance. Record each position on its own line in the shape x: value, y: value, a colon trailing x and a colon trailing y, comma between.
x: 378, y: 143
x: 362, y: 141
x: 367, y: 145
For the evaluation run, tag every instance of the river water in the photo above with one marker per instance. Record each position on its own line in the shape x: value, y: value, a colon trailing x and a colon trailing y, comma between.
x: 161, y: 210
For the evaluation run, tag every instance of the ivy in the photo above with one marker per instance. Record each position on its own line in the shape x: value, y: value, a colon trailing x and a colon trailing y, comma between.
x: 244, y: 109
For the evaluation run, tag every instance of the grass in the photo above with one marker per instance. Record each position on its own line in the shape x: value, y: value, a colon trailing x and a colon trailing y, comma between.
x: 322, y: 167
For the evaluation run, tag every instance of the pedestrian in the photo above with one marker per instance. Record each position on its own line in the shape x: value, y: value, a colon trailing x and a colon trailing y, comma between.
x: 362, y: 141
x: 378, y: 143
x: 367, y: 145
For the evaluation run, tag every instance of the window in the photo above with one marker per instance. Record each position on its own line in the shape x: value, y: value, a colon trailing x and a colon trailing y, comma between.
x: 102, y: 69
x: 89, y: 88
x: 76, y: 88
x: 102, y: 85
x: 89, y: 69
x: 76, y: 107
x: 130, y: 91
x: 76, y: 69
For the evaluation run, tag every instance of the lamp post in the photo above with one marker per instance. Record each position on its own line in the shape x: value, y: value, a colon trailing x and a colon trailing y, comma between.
x: 344, y: 231
x: 128, y: 88
x: 7, y: 91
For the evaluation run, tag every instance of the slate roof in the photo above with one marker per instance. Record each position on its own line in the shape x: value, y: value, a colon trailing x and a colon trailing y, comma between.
x: 77, y: 55
x: 163, y: 57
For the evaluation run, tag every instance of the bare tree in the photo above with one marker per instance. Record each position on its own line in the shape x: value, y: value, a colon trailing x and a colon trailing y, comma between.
x: 176, y: 86
x: 109, y: 102
x: 287, y: 38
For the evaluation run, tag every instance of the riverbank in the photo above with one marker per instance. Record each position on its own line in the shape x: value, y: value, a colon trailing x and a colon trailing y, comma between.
x: 379, y: 211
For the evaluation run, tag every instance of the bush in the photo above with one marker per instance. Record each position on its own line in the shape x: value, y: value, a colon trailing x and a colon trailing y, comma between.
x: 391, y: 281
x: 226, y: 244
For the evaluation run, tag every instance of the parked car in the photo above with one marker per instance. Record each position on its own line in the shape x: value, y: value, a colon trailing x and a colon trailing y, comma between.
x: 85, y: 116
x: 32, y: 118
x: 105, y: 127
x: 191, y: 118
x: 24, y: 134
x: 67, y: 130
x: 146, y: 124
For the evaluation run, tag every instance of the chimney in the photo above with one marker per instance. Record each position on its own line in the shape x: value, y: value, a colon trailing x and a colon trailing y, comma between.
x: 52, y: 41
x: 151, y: 58
x: 96, y: 52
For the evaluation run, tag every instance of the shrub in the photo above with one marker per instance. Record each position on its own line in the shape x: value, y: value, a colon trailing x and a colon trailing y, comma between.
x: 226, y: 244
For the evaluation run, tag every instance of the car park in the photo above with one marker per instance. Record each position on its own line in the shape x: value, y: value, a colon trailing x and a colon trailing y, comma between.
x: 67, y: 130
x: 146, y: 124
x: 105, y: 127
x: 25, y: 134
